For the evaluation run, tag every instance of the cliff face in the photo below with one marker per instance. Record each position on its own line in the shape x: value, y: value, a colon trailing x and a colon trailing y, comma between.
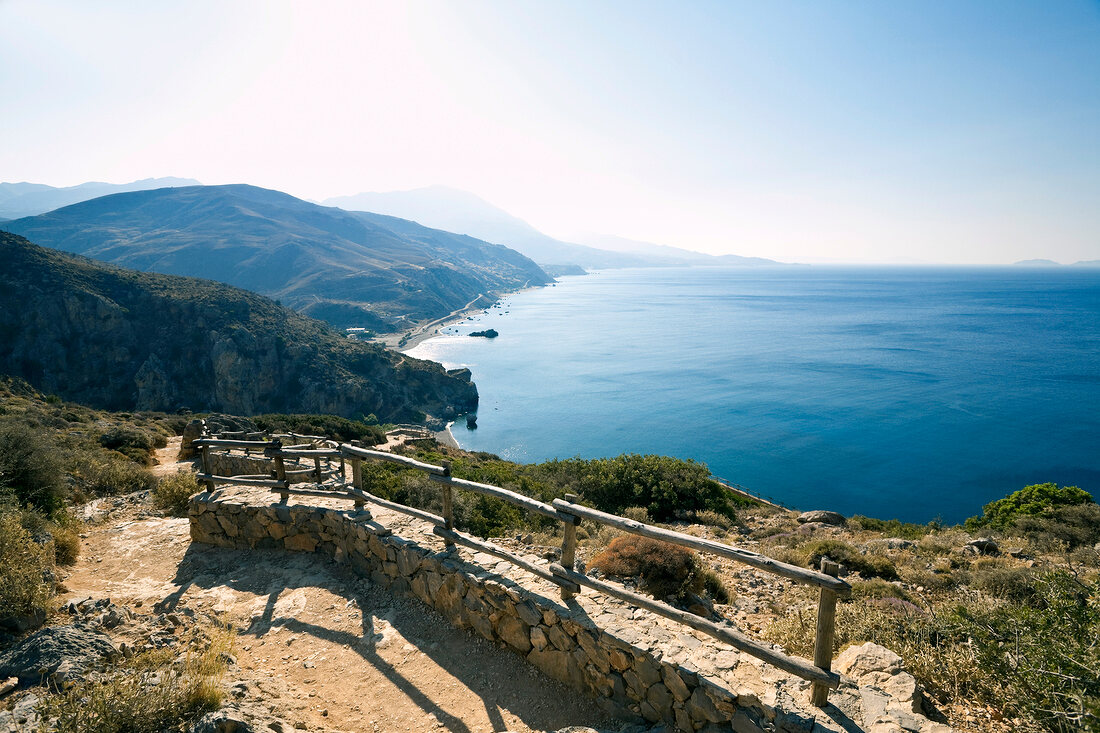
x: 120, y: 339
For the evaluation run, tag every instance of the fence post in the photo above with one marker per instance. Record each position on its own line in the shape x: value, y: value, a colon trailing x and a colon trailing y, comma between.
x: 317, y: 468
x: 206, y: 468
x: 448, y: 505
x: 275, y: 450
x: 569, y: 545
x: 823, y: 645
x: 357, y: 480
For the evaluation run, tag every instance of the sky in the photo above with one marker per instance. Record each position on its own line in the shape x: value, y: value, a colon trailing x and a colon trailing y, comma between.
x: 857, y: 131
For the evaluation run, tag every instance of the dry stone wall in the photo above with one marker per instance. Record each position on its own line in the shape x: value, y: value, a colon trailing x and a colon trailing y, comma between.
x: 648, y: 665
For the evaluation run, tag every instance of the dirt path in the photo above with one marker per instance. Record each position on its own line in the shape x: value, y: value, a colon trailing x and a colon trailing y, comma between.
x: 325, y: 648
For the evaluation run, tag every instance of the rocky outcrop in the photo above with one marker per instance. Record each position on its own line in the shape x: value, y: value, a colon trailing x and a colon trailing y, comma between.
x: 57, y: 654
x: 123, y: 340
x: 600, y: 646
x: 822, y: 516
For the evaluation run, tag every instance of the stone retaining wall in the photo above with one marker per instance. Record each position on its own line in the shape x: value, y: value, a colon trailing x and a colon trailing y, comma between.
x: 238, y: 464
x: 648, y: 665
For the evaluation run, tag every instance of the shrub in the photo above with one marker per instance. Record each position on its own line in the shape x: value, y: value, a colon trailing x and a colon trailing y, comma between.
x: 892, y: 527
x: 663, y: 569
x: 332, y: 426
x: 664, y: 486
x: 878, y: 589
x: 1008, y: 583
x: 25, y: 570
x: 65, y: 529
x: 107, y: 475
x: 30, y: 470
x: 1075, y: 526
x: 713, y: 519
x: 638, y: 514
x: 173, y: 492
x: 134, y: 443
x: 1029, y: 501
x: 874, y: 566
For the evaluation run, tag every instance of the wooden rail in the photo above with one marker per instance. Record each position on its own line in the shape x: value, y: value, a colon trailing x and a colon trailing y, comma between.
x: 568, y: 511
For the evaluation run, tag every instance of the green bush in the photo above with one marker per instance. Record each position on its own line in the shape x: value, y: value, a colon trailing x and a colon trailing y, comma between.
x: 1031, y: 500
x: 1074, y: 526
x: 331, y: 426
x: 892, y: 527
x: 870, y: 565
x: 30, y: 470
x: 664, y: 486
x: 134, y: 443
x: 173, y: 492
x: 25, y: 569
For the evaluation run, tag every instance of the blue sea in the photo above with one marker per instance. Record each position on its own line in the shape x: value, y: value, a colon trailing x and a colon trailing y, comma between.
x: 915, y: 393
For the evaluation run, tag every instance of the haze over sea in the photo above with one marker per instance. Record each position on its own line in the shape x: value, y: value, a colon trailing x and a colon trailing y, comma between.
x: 915, y: 393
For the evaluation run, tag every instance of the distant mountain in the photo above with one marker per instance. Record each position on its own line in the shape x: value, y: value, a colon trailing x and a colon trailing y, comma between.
x: 460, y: 211
x: 350, y: 269
x: 1087, y: 263
x: 666, y: 254
x: 1037, y: 263
x: 27, y: 199
x: 120, y: 339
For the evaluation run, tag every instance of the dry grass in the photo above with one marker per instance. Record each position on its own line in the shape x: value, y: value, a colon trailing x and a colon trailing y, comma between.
x: 173, y: 492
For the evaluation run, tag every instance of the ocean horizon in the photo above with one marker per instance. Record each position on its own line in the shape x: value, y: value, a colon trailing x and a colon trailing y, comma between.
x: 916, y: 393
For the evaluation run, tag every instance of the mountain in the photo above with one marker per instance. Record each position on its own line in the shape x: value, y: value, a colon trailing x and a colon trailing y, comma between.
x: 461, y: 211
x: 666, y: 254
x: 27, y: 199
x: 121, y: 340
x: 1037, y: 263
x: 1087, y: 263
x: 350, y: 269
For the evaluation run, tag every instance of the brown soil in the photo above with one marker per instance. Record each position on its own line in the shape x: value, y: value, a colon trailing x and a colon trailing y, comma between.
x: 321, y: 647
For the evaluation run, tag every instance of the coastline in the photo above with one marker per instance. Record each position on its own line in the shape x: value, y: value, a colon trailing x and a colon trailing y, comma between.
x: 404, y: 341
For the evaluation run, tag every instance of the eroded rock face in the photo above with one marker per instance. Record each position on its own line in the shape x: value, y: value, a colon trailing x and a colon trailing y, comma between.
x: 119, y: 339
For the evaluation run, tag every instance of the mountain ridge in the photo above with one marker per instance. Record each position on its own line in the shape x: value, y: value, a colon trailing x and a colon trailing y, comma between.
x: 350, y: 269
x: 30, y: 199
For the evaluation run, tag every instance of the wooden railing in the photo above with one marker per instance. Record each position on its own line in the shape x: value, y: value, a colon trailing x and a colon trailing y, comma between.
x: 568, y: 511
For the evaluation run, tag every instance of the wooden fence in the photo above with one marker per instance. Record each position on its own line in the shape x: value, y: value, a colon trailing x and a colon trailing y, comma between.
x: 326, y: 461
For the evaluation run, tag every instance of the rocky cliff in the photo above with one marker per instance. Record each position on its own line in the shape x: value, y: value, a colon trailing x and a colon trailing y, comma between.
x: 120, y: 339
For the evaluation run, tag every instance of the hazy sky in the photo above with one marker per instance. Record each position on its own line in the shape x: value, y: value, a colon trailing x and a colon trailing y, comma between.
x: 857, y: 131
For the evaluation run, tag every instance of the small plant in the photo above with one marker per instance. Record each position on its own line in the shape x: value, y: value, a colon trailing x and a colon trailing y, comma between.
x: 108, y: 475
x: 134, y: 443
x: 663, y: 569
x: 30, y: 471
x: 173, y: 492
x: 65, y: 529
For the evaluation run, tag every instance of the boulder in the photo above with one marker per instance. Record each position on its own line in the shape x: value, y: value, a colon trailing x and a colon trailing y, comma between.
x: 874, y: 666
x: 823, y: 517
x: 58, y: 653
x: 984, y: 546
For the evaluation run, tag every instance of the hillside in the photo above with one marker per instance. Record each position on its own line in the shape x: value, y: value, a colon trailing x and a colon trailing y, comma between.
x: 29, y: 199
x: 348, y: 269
x: 460, y: 211
x: 119, y: 339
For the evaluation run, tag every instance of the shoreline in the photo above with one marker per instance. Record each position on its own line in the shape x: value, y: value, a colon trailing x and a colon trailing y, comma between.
x: 420, y: 333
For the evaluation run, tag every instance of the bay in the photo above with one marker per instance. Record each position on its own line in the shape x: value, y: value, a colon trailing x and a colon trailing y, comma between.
x: 907, y: 392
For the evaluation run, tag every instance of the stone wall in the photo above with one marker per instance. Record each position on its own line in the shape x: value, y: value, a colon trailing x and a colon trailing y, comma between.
x: 646, y: 664
x: 238, y: 464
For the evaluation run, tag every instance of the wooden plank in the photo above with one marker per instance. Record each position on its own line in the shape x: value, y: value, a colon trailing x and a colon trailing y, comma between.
x: 488, y: 548
x: 796, y: 666
x: 793, y: 572
x: 504, y: 494
x: 218, y: 443
x: 315, y: 453
x: 274, y: 483
x: 448, y: 505
x: 568, y: 548
x: 206, y: 467
x: 823, y: 643
x: 353, y: 452
x: 418, y: 513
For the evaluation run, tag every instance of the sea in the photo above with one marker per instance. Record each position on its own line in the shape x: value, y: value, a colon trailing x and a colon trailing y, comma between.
x: 915, y: 393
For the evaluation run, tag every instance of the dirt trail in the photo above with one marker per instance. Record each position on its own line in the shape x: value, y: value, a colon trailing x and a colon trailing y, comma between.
x: 324, y: 648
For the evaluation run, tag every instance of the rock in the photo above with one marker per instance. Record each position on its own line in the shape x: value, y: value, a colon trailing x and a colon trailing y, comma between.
x: 23, y: 624
x: 893, y: 543
x: 8, y: 685
x: 985, y: 546
x: 23, y: 715
x: 822, y: 516
x: 62, y: 651
x: 874, y: 666
x: 489, y: 333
